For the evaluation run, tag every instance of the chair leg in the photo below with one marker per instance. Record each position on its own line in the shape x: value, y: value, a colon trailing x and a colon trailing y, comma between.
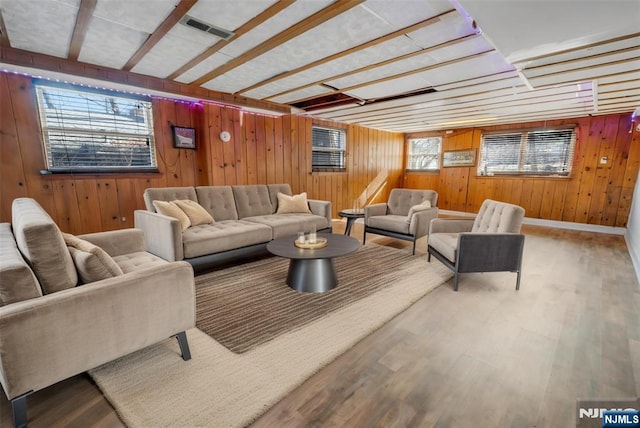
x: 184, y: 345
x: 364, y: 237
x: 428, y: 255
x: 19, y: 407
x: 414, y: 246
x: 455, y: 281
x: 518, y: 281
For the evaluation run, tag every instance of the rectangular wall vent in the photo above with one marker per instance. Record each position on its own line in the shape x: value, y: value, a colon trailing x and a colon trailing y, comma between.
x: 197, y: 24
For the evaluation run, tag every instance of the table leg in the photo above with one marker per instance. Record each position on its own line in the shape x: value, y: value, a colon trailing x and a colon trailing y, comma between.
x: 347, y: 230
x: 312, y: 275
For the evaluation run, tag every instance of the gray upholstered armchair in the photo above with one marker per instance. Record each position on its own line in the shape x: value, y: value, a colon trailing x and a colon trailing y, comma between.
x: 406, y: 215
x: 490, y: 243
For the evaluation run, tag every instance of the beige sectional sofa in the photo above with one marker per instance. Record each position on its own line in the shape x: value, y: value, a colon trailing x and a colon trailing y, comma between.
x: 55, y: 322
x: 245, y: 218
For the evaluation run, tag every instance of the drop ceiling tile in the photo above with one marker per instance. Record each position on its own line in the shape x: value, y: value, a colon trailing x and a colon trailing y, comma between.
x: 406, y: 65
x: 274, y: 25
x: 209, y: 64
x: 352, y: 28
x: 139, y: 15
x: 242, y: 76
x: 403, y: 13
x: 468, y: 69
x: 631, y: 56
x: 229, y: 14
x: 109, y: 44
x: 389, y: 49
x: 43, y: 27
x: 449, y: 27
x: 390, y: 87
x: 301, y: 94
x: 180, y: 45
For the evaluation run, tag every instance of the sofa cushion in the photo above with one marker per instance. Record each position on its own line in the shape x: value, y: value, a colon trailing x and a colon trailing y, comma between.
x: 274, y: 189
x: 17, y: 281
x: 167, y: 194
x: 137, y: 261
x: 223, y: 236
x: 289, y: 224
x: 445, y: 243
x: 218, y: 201
x: 172, y: 210
x: 196, y: 213
x: 91, y: 261
x: 252, y: 200
x: 41, y: 244
x: 394, y: 223
x: 293, y: 204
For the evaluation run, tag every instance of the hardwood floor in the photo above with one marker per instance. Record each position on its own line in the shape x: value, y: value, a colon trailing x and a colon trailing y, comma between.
x: 486, y: 356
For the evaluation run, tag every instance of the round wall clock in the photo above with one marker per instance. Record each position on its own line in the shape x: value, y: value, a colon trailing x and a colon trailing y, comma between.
x: 225, y: 136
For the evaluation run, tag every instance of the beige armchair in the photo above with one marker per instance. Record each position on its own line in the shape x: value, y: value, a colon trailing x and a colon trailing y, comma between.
x: 491, y: 242
x: 405, y: 216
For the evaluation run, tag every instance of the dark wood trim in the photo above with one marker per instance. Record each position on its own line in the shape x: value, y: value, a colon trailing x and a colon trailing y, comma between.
x: 180, y: 10
x: 4, y: 37
x: 85, y: 13
x: 331, y: 11
x: 24, y: 58
x: 374, y: 42
x: 245, y: 28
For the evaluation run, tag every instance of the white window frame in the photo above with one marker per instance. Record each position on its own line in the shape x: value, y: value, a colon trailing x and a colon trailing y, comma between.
x: 335, y: 153
x: 556, y: 162
x: 89, y: 130
x: 429, y: 158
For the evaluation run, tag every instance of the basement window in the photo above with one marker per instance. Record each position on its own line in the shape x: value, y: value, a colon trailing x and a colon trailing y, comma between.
x: 527, y: 152
x: 423, y: 154
x: 329, y: 149
x: 95, y: 131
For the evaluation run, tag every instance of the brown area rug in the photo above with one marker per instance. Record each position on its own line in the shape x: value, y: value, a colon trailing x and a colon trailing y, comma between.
x: 219, y: 388
x: 247, y: 305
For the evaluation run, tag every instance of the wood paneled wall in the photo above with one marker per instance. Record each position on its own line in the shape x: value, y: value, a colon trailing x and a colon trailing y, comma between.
x: 262, y: 149
x: 594, y: 193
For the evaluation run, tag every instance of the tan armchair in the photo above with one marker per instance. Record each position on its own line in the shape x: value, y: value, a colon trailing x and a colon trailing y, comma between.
x: 491, y: 242
x: 405, y: 216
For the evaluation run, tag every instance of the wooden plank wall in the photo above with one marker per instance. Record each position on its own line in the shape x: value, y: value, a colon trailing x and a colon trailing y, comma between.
x: 594, y: 193
x: 262, y: 149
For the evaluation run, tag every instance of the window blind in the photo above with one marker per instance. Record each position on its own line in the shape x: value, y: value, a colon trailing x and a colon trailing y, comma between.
x: 90, y: 131
x: 537, y: 152
x: 328, y: 149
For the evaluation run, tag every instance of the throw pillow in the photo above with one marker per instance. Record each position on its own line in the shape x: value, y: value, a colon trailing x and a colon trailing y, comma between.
x: 196, y: 213
x: 292, y: 204
x: 417, y: 208
x: 91, y: 261
x: 172, y: 210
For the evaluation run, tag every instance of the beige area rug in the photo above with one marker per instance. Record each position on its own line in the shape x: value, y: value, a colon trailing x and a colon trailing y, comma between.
x: 245, y: 306
x: 154, y: 387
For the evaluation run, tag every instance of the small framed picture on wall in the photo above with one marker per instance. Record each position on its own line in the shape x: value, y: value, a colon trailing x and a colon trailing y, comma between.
x: 184, y: 138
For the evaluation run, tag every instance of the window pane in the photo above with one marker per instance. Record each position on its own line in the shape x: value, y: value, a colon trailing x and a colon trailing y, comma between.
x: 87, y: 130
x: 424, y: 153
x: 548, y: 151
x: 328, y: 148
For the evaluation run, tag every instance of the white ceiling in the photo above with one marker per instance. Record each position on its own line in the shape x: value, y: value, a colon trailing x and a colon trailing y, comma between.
x: 402, y: 65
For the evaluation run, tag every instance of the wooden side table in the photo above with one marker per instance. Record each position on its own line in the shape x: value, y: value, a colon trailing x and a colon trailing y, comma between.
x: 351, y: 216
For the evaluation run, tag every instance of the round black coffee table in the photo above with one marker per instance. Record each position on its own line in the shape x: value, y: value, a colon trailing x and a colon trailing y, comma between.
x: 312, y: 270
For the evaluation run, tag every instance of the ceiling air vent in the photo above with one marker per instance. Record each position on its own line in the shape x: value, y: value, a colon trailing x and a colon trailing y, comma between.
x: 192, y: 22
